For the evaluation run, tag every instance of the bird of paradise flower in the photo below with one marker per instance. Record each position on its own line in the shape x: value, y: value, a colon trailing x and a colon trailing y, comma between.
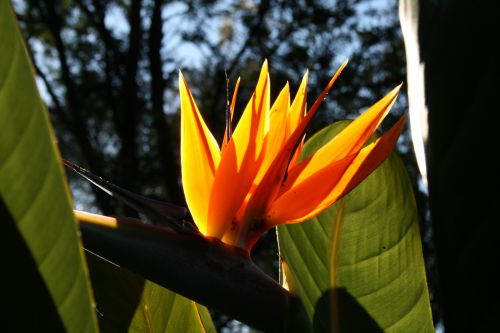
x: 255, y: 180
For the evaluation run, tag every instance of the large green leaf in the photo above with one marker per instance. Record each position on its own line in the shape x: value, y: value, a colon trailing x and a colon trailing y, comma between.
x: 127, y: 302
x: 381, y: 282
x: 47, y: 285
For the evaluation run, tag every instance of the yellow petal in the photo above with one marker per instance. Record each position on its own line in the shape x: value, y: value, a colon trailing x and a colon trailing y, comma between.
x: 200, y: 157
x: 233, y: 100
x: 298, y: 108
x: 268, y: 188
x: 241, y: 159
x: 314, y: 194
x: 347, y: 142
x: 275, y: 140
x: 231, y: 113
x: 277, y: 130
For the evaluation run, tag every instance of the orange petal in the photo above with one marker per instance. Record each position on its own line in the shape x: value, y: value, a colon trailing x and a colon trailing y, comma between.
x: 347, y: 142
x: 374, y: 158
x: 233, y: 100
x: 268, y: 187
x: 241, y: 159
x: 231, y: 113
x: 296, y: 156
x: 298, y: 108
x: 322, y: 96
x: 304, y: 198
x: 277, y: 130
x: 319, y: 191
x: 200, y: 157
x: 275, y: 140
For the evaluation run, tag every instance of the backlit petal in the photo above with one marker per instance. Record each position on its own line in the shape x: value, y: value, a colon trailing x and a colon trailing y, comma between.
x: 274, y: 141
x: 268, y: 188
x: 200, y: 157
x: 277, y: 130
x: 365, y: 165
x: 316, y: 193
x: 233, y: 100
x: 228, y: 129
x: 298, y: 107
x: 347, y: 142
x: 304, y: 198
x: 241, y: 159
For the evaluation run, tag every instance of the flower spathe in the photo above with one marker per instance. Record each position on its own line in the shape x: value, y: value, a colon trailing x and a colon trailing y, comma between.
x: 255, y: 180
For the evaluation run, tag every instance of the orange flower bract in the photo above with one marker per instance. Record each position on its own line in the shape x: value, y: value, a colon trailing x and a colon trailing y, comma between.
x: 255, y: 181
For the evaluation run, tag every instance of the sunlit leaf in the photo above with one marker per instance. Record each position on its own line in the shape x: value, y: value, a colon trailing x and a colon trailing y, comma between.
x: 47, y: 285
x: 380, y: 283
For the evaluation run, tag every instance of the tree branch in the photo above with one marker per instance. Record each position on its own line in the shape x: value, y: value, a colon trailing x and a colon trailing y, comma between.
x: 169, y: 166
x: 58, y: 108
x: 126, y: 121
x: 111, y: 49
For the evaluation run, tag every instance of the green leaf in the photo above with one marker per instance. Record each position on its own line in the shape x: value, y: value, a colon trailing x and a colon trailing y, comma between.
x: 47, y: 285
x: 380, y: 282
x: 127, y: 302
